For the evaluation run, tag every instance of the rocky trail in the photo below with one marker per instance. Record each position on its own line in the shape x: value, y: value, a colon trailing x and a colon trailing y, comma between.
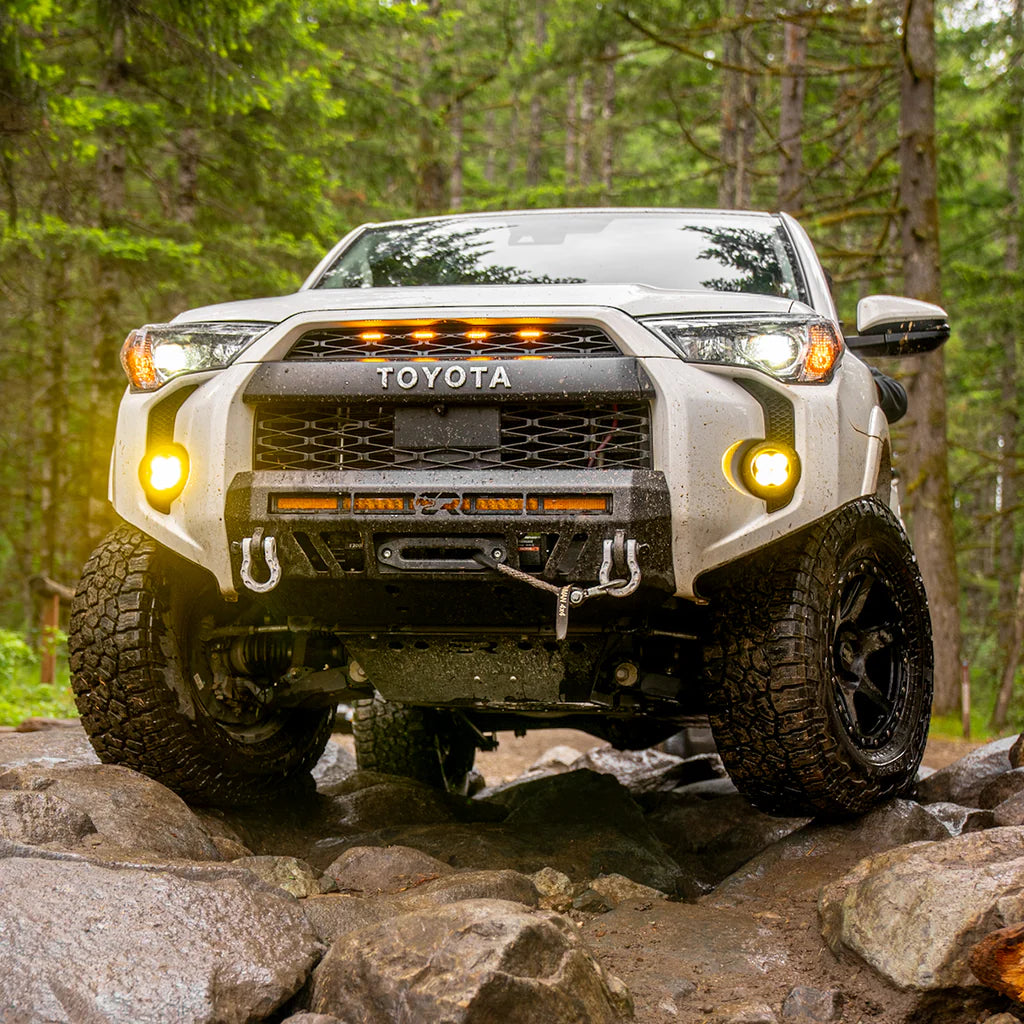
x: 594, y: 885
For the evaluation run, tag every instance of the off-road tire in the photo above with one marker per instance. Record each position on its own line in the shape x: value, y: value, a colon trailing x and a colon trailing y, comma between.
x: 425, y: 744
x: 819, y: 671
x: 133, y: 671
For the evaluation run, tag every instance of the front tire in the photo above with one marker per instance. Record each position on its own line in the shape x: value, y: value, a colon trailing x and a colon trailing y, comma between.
x: 425, y: 744
x: 820, y: 668
x: 148, y: 697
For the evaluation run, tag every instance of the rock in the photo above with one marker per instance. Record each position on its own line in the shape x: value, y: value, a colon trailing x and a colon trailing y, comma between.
x: 1017, y: 752
x: 712, y: 842
x: 1001, y: 788
x: 914, y: 912
x: 335, y: 765
x: 471, y: 885
x: 288, y: 873
x: 334, y: 915
x: 813, y: 856
x: 40, y: 817
x: 590, y: 901
x: 580, y: 850
x: 963, y: 781
x: 474, y: 960
x: 48, y: 747
x: 744, y: 1013
x: 555, y: 889
x: 44, y: 724
x: 805, y: 1004
x: 337, y: 915
x: 146, y: 946
x: 959, y: 819
x: 555, y: 758
x: 675, y: 994
x: 649, y: 771
x: 228, y: 849
x: 131, y: 811
x: 1010, y: 811
x: 1002, y: 1018
x: 695, y: 739
x: 368, y: 800
x: 372, y: 870
x: 617, y: 889
x: 312, y: 1018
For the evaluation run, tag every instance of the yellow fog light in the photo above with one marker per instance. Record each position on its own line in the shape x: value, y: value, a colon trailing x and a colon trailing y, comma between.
x: 163, y: 473
x: 770, y: 471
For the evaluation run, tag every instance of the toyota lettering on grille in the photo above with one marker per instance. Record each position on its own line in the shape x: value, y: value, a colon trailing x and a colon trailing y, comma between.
x: 455, y: 376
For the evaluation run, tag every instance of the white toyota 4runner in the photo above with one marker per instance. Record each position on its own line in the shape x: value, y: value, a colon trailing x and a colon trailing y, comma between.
x: 611, y: 469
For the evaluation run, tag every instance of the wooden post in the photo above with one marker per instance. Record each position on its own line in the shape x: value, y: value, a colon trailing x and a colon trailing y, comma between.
x: 965, y: 697
x: 50, y: 594
x: 50, y: 622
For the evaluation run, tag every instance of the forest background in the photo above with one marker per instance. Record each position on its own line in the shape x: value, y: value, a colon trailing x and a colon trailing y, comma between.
x: 157, y: 155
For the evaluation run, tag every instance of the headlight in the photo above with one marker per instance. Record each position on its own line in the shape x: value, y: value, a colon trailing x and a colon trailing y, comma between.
x: 153, y: 354
x: 794, y: 349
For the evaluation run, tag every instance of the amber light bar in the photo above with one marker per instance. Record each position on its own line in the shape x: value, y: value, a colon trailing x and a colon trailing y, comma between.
x: 498, y: 504
x: 569, y: 503
x: 373, y: 503
x: 310, y: 503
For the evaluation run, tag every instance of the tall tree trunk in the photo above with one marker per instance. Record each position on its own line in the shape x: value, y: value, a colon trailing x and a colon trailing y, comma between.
x: 929, y: 501
x: 571, y: 133
x: 456, y: 179
x: 585, y: 137
x: 607, y: 166
x: 535, y: 139
x: 739, y: 98
x: 111, y: 173
x: 432, y: 172
x: 1010, y: 611
x: 732, y: 97
x: 791, y: 118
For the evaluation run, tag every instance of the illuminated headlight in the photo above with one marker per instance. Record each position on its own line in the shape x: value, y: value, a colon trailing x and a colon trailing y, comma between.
x: 793, y: 349
x: 154, y: 354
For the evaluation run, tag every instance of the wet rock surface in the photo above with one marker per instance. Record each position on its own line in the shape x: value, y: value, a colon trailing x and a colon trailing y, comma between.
x: 596, y: 886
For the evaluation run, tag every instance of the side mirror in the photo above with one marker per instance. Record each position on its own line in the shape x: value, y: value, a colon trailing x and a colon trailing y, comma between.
x: 890, y: 325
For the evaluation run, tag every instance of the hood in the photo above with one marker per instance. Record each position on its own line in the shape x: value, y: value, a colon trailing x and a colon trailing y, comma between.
x: 635, y: 300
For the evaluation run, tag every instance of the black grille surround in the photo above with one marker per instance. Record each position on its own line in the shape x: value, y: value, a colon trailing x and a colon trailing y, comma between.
x: 453, y: 339
x: 305, y: 436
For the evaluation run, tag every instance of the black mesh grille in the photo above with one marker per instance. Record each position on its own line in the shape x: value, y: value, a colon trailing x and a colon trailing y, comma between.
x: 453, y: 339
x: 570, y: 436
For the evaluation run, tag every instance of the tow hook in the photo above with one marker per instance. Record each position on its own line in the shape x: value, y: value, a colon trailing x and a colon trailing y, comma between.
x: 615, y: 552
x: 265, y: 558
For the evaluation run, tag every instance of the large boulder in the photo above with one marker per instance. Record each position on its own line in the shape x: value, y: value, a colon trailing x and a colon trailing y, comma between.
x: 40, y: 818
x: 580, y: 823
x: 711, y: 839
x: 805, y: 860
x: 338, y: 914
x: 470, y: 961
x: 914, y: 912
x: 963, y: 781
x: 83, y: 942
x: 131, y: 812
x: 46, y: 747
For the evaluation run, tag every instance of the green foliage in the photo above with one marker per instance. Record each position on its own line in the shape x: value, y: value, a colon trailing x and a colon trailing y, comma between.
x: 21, y: 694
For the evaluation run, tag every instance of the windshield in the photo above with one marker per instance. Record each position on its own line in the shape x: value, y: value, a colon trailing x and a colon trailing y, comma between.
x: 685, y: 251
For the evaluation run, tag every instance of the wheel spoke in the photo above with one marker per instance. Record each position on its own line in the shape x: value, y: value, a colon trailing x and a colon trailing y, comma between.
x: 855, y: 599
x: 867, y: 689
